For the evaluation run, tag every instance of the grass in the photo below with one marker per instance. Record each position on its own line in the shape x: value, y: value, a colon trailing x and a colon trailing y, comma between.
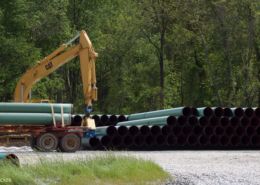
x: 101, y: 170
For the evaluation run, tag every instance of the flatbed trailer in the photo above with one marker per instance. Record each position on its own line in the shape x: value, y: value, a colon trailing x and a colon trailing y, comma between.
x: 48, y: 137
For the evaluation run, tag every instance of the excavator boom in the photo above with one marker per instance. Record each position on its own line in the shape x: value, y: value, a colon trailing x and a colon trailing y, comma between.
x: 59, y: 57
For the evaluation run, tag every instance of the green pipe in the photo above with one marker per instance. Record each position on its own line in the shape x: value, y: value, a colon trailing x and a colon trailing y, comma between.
x: 32, y: 118
x: 9, y: 158
x: 148, y: 121
x: 35, y: 107
x: 159, y: 113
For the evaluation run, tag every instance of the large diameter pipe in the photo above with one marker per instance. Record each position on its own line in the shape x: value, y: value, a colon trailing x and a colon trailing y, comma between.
x: 133, y: 130
x: 203, y: 140
x: 93, y: 142
x: 166, y: 130
x: 122, y: 130
x: 122, y: 118
x: 113, y: 119
x: 205, y: 111
x: 105, y: 141
x: 255, y: 140
x: 219, y: 111
x: 150, y: 121
x: 35, y: 108
x: 97, y: 119
x: 33, y: 118
x: 155, y: 130
x: 249, y: 112
x: 104, y: 119
x: 257, y: 111
x: 192, y: 140
x: 149, y: 140
x: 76, y: 120
x: 186, y: 111
x: 160, y: 140
x: 255, y: 121
x: 116, y: 141
x: 171, y: 140
x: 139, y: 140
x: 228, y: 112
x: 239, y: 112
x: 224, y: 140
x: 127, y: 141
x: 144, y: 130
x: 203, y: 121
x: 4, y: 157
x: 106, y: 130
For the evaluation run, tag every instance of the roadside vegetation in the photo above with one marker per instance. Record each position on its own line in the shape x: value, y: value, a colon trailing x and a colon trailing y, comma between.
x: 101, y: 170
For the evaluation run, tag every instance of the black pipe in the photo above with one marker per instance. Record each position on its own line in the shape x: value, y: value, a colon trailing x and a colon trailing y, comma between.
x: 255, y: 140
x: 192, y: 140
x: 144, y: 130
x: 187, y: 129
x: 122, y: 130
x: 224, y: 121
x: 155, y: 130
x: 249, y: 112
x: 245, y: 140
x: 94, y: 142
x: 160, y: 140
x: 245, y: 121
x: 139, y: 140
x: 203, y: 140
x: 181, y: 140
x: 214, y: 140
x: 194, y: 111
x: 255, y: 121
x: 182, y: 120
x: 235, y: 140
x: 176, y: 130
x: 116, y: 141
x: 203, y: 121
x: 257, y: 111
x: 214, y: 120
x: 239, y: 112
x: 258, y: 130
x: 76, y: 121
x: 224, y: 140
x: 208, y: 130
x: 234, y: 121
x: 166, y: 130
x: 228, y: 112
x: 113, y: 119
x: 171, y: 140
x: 171, y: 120
x: 250, y: 130
x: 193, y: 120
x: 128, y: 141
x: 121, y: 118
x: 229, y: 130
x: 111, y: 130
x: 187, y: 111
x: 219, y: 130
x: 197, y: 130
x: 105, y: 141
x: 104, y: 119
x: 208, y: 112
x: 218, y: 111
x: 149, y: 140
x: 133, y: 130
x: 240, y: 130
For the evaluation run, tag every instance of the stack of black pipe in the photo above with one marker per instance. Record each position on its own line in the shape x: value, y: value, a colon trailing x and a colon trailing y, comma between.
x: 100, y: 120
x: 201, y: 128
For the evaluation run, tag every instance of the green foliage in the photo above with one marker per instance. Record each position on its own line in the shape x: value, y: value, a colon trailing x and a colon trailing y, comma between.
x: 152, y: 54
x: 100, y: 170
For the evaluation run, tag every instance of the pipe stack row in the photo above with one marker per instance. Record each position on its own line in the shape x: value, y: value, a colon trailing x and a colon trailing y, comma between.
x: 183, y: 128
x: 100, y: 120
x: 34, y: 113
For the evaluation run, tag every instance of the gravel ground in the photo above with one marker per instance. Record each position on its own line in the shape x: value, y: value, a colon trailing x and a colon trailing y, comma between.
x: 186, y: 167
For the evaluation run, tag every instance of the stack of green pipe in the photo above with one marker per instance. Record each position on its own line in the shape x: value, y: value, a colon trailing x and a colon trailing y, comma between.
x: 159, y: 113
x: 34, y: 113
x: 35, y: 107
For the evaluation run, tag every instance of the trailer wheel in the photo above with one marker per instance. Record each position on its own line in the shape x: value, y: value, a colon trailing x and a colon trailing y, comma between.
x: 70, y: 143
x: 47, y: 142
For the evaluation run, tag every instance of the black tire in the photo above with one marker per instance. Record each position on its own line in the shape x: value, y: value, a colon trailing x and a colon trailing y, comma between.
x: 70, y: 143
x: 47, y: 142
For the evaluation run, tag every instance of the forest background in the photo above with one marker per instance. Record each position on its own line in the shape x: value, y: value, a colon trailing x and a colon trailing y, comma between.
x: 153, y: 54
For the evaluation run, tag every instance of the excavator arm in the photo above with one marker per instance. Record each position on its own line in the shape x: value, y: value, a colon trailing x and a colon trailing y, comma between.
x: 59, y: 57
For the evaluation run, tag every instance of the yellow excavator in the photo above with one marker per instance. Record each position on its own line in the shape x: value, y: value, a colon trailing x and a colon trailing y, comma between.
x: 80, y: 46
